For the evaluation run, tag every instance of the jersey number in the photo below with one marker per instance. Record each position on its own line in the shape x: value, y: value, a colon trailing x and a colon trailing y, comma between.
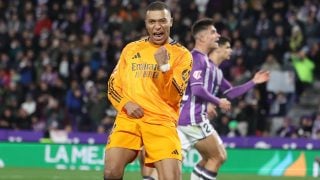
x: 206, y: 127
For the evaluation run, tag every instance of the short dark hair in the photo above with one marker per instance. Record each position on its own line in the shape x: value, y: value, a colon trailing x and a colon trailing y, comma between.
x: 201, y: 25
x: 157, y: 5
x: 223, y: 40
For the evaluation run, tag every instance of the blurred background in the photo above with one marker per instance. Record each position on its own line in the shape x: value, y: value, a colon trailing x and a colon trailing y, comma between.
x: 56, y: 57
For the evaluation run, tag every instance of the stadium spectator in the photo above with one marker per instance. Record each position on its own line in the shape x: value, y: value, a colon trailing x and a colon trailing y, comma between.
x: 287, y: 129
x: 316, y: 127
x: 305, y: 128
x: 304, y: 68
x: 7, y: 119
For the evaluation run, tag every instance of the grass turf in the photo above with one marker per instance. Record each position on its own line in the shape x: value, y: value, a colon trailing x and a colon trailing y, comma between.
x: 52, y: 174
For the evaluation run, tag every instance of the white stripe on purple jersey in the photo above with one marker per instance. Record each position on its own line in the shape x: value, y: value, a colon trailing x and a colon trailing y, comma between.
x: 193, y: 109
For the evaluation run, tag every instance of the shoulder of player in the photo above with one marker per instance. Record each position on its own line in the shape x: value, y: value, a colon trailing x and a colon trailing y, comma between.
x: 179, y: 48
x: 199, y: 59
x: 198, y: 56
x: 135, y: 45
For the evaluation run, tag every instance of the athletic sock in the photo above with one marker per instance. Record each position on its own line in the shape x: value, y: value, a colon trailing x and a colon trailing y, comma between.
x: 208, y: 175
x: 315, y: 169
x: 147, y: 178
x: 196, y: 173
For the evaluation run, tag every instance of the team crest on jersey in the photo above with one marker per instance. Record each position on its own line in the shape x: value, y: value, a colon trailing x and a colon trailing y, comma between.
x: 197, y: 74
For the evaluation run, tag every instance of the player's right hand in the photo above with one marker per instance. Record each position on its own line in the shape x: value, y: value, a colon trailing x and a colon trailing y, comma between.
x: 161, y: 56
x: 225, y: 104
x: 133, y: 110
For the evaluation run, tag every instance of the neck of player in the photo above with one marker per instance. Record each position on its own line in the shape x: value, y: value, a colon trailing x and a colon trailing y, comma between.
x: 215, y: 59
x: 201, y: 49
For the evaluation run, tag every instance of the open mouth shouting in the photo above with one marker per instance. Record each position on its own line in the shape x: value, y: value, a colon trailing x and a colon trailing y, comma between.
x: 158, y: 37
x: 216, y: 42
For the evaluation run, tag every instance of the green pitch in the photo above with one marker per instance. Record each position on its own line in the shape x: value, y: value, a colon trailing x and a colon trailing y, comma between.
x: 51, y: 174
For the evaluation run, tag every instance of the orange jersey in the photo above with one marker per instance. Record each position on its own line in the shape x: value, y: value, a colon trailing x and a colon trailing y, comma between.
x: 137, y: 78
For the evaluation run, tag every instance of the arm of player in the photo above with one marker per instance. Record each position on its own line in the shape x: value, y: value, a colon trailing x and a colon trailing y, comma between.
x: 172, y: 83
x: 200, y: 91
x: 233, y: 92
x: 115, y: 91
x: 237, y: 91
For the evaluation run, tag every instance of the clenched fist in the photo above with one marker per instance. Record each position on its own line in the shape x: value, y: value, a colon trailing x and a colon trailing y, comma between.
x: 161, y: 56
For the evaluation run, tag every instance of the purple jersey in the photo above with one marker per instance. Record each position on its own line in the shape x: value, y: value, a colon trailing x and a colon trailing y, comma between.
x: 194, y: 108
x: 205, y: 81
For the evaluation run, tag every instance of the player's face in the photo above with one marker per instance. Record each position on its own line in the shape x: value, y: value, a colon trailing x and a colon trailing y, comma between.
x: 158, y: 24
x: 226, y: 51
x: 211, y: 37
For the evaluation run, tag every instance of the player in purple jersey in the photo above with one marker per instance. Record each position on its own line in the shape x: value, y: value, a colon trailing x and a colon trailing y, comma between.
x: 206, y: 80
x: 194, y: 127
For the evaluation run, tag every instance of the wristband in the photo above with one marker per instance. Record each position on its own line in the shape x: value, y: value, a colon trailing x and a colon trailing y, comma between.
x: 165, y: 67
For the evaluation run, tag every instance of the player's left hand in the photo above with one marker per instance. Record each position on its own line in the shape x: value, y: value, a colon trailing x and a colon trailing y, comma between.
x: 261, y: 77
x: 161, y: 56
x: 133, y: 110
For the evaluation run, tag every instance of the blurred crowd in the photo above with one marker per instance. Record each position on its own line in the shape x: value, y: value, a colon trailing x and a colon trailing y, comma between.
x: 56, y: 56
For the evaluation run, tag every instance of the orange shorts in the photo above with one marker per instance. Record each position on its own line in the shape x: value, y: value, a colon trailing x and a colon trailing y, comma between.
x: 160, y: 141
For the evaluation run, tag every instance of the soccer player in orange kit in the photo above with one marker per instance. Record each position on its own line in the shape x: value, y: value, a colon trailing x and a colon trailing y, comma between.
x: 146, y: 88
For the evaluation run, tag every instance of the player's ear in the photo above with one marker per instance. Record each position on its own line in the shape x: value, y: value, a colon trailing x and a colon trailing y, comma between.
x: 201, y: 36
x: 171, y: 22
x: 217, y: 50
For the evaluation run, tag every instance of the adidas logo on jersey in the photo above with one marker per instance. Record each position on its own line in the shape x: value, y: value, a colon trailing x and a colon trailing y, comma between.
x: 136, y: 56
x: 175, y: 152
